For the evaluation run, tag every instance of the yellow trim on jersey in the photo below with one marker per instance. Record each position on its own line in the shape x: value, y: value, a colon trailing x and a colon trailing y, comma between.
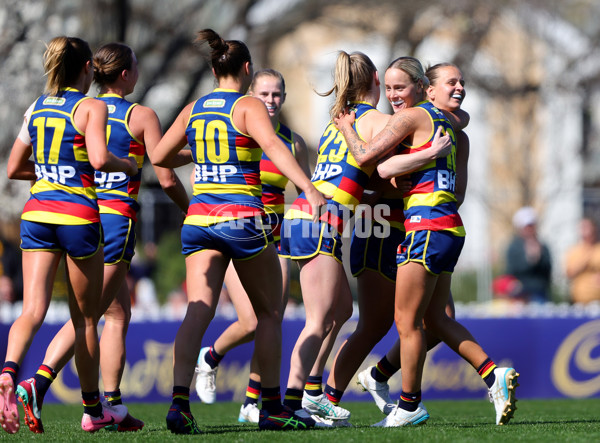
x: 459, y: 231
x: 356, y: 122
x: 289, y: 140
x: 273, y: 179
x: 75, y: 106
x: 293, y: 213
x: 125, y: 122
x: 325, y: 187
x: 54, y: 218
x: 245, y: 154
x: 224, y: 188
x: 346, y: 199
x: 43, y: 186
x: 318, y: 250
x: 81, y: 153
x: 277, y: 209
x: 207, y: 220
x: 139, y: 160
x: 108, y: 210
x: 112, y: 192
x: 231, y: 116
x: 431, y: 133
x: 73, y: 115
x: 429, y: 199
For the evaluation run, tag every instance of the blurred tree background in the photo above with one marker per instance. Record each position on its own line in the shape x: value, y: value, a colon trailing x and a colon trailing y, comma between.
x: 531, y: 66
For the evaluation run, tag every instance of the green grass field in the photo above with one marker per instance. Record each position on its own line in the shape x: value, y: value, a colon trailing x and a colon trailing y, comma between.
x: 451, y: 421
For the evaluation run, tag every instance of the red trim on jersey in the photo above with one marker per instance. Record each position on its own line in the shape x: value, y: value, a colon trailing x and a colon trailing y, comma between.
x: 436, y: 224
x: 415, y: 150
x: 224, y: 210
x: 422, y: 188
x: 120, y: 206
x: 269, y: 198
x: 133, y: 187
x: 351, y: 187
x: 301, y: 204
x: 87, y: 180
x: 78, y: 141
x: 276, y: 230
x: 136, y: 148
x: 333, y: 220
x: 61, y: 207
x: 245, y: 142
x: 252, y: 178
x: 269, y: 166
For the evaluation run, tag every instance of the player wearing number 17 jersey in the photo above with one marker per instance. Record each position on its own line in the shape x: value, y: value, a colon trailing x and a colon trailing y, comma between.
x: 131, y: 129
x: 65, y: 133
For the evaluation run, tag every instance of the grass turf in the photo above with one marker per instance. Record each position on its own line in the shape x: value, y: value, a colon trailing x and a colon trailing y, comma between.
x: 451, y: 421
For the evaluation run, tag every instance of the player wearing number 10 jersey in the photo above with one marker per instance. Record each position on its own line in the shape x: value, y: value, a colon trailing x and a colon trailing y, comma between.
x: 226, y: 131
x: 227, y: 182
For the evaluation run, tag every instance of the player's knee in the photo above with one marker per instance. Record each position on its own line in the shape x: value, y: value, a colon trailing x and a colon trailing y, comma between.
x: 249, y: 327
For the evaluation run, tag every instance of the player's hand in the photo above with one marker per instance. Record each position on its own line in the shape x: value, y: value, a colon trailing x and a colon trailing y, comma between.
x: 402, y: 183
x: 344, y: 119
x: 316, y: 200
x: 441, y: 145
x: 133, y: 167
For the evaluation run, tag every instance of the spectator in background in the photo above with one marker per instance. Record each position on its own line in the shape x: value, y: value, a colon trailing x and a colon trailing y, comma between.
x: 582, y: 264
x: 528, y: 259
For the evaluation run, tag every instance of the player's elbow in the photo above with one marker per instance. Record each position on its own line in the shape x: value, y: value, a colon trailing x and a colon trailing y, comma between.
x: 385, y: 171
x: 12, y: 170
x: 168, y: 184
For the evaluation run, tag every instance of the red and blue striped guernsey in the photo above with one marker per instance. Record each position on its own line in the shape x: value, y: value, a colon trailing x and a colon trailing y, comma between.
x: 431, y: 202
x: 338, y: 175
x: 64, y: 192
x: 227, y: 173
x: 117, y: 192
x: 274, y: 182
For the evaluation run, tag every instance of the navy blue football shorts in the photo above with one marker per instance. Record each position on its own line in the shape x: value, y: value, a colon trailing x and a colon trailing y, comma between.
x: 437, y: 251
x: 303, y: 239
x: 79, y: 241
x: 239, y: 239
x: 374, y: 252
x: 119, y: 238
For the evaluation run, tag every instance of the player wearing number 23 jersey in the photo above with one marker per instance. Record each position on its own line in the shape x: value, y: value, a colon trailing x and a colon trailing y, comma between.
x: 338, y: 175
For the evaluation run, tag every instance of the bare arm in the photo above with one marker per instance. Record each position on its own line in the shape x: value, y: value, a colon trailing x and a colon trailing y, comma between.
x: 399, y: 126
x: 405, y: 163
x: 462, y: 159
x: 459, y: 119
x: 301, y: 151
x: 167, y: 150
x: 93, y: 114
x: 152, y: 133
x: 20, y: 167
